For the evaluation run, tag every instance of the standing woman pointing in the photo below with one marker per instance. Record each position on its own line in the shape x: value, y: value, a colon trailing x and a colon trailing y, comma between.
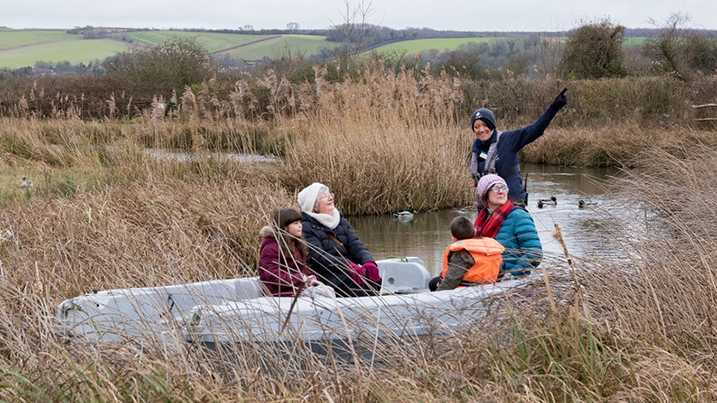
x: 497, y: 152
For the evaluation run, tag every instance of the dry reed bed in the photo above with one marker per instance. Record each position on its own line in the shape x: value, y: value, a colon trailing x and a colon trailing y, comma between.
x: 626, y: 341
x: 516, y: 100
x: 611, y: 145
x: 142, y: 227
x: 667, y: 296
x: 641, y: 330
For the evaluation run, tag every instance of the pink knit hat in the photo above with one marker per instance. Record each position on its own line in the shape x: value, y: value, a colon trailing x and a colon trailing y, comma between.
x: 484, y: 184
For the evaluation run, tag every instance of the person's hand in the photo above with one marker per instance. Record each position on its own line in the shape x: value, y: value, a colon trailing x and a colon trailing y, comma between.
x: 372, y: 272
x: 311, y: 281
x: 560, y: 101
x: 357, y: 273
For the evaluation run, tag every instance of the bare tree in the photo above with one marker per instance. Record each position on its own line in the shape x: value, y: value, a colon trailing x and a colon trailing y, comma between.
x: 680, y: 51
x: 549, y: 52
x: 354, y: 30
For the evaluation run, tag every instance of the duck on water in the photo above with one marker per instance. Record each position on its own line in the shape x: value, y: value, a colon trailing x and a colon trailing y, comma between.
x: 405, y: 215
x: 553, y: 201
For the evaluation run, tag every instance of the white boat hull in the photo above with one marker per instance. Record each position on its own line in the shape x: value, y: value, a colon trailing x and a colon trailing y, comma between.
x: 163, y: 312
x: 325, y: 319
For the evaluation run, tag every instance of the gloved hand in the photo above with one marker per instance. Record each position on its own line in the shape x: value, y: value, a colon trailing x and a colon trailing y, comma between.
x: 372, y: 272
x: 311, y: 281
x: 560, y: 101
x: 357, y: 273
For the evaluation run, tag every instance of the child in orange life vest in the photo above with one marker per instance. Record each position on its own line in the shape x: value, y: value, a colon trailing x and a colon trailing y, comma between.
x: 469, y: 261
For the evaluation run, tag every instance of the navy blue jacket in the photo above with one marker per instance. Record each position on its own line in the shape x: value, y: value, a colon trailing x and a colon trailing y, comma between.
x: 328, y: 259
x: 507, y: 164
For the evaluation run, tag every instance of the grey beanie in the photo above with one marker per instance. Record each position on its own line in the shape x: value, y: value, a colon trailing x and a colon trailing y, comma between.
x: 486, y: 115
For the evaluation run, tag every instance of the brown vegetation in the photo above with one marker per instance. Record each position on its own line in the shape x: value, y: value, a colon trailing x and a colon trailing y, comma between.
x: 106, y: 213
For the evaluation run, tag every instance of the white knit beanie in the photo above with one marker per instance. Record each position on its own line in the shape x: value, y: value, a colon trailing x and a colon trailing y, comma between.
x: 307, y: 196
x: 484, y: 184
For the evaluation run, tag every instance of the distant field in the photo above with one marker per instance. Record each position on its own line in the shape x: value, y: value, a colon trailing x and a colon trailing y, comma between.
x: 211, y: 42
x: 419, y: 45
x: 308, y: 44
x: 14, y: 38
x: 73, y: 51
x: 634, y: 41
x: 22, y: 48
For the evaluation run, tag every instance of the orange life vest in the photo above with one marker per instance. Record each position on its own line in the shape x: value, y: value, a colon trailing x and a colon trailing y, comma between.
x: 486, y: 253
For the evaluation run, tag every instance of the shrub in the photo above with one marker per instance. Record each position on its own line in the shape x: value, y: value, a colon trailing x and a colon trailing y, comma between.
x: 594, y: 51
x: 466, y: 60
x: 159, y: 71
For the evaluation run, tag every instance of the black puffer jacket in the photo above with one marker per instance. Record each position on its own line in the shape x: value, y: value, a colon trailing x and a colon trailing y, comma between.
x: 327, y: 258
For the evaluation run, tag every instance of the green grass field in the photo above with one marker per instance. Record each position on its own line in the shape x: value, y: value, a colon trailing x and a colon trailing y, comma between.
x: 22, y: 48
x: 211, y: 42
x: 275, y: 47
x: 72, y: 50
x: 419, y: 45
x: 11, y: 38
x: 634, y: 41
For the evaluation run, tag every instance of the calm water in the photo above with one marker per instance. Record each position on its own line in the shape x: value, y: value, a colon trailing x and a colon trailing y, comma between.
x: 583, y: 229
x: 222, y: 157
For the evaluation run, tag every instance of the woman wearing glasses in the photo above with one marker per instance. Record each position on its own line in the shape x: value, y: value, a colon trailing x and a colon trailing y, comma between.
x: 511, y: 226
x: 336, y: 254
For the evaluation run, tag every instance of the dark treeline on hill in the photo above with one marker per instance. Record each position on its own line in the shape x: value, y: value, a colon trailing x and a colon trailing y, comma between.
x: 371, y: 34
x: 377, y: 34
x: 334, y: 34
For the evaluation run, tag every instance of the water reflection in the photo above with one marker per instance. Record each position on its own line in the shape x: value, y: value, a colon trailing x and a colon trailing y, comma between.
x: 221, y: 157
x: 583, y: 228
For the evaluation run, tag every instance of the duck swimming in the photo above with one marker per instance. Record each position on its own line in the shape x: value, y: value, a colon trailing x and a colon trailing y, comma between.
x: 405, y: 215
x: 583, y: 204
x: 549, y: 202
x: 25, y: 183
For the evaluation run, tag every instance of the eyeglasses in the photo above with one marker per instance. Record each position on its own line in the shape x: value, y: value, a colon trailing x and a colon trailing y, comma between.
x: 325, y: 196
x: 499, y: 188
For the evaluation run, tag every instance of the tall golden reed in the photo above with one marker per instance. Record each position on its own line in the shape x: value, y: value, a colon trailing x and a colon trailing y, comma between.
x: 110, y: 213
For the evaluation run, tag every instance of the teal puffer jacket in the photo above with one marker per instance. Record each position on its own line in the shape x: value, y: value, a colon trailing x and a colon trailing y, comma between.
x: 523, y: 250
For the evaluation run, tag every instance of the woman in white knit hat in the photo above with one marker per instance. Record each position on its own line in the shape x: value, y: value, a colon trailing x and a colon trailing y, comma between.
x: 336, y: 254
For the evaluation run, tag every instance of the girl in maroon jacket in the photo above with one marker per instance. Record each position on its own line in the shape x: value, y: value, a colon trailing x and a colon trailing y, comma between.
x: 282, y: 260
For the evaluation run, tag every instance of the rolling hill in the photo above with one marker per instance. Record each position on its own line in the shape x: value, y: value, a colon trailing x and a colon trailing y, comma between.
x: 412, y: 47
x: 211, y: 42
x: 23, y: 48
x: 277, y: 45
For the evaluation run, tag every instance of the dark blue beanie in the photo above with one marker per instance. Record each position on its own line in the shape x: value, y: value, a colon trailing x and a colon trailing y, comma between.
x: 486, y: 116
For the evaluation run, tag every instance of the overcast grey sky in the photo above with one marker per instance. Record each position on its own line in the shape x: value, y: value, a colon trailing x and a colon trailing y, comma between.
x: 500, y: 15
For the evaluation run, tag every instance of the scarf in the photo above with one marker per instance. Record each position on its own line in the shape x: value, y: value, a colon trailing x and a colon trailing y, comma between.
x: 330, y: 220
x: 488, y: 225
